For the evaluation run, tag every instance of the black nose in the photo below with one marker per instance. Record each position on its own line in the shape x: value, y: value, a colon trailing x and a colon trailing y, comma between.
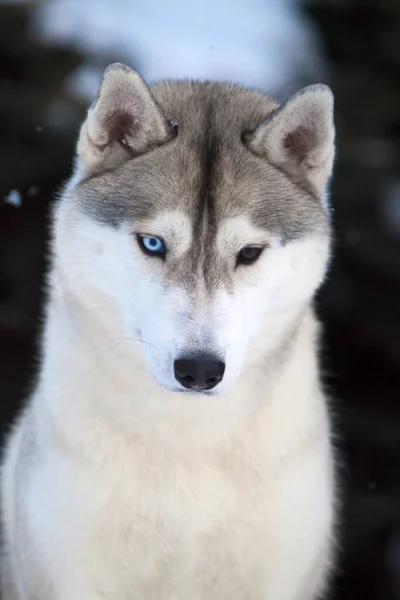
x: 201, y: 373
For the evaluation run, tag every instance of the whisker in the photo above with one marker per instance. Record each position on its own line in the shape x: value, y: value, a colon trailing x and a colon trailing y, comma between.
x: 131, y: 339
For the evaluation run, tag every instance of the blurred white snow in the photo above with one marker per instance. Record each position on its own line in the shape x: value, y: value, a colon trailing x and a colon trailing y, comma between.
x: 267, y: 44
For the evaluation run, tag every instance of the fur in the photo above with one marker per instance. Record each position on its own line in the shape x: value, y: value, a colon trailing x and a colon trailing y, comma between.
x: 117, y: 481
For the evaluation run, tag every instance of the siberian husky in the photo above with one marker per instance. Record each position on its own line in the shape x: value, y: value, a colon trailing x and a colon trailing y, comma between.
x: 177, y: 443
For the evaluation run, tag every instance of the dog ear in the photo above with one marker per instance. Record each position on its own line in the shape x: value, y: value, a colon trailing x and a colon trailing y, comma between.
x: 299, y: 136
x: 123, y: 121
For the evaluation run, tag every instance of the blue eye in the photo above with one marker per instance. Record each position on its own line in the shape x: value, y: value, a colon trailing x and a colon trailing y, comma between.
x: 152, y: 245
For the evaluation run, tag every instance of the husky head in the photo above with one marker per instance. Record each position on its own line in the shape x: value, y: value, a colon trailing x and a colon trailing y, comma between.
x: 196, y: 214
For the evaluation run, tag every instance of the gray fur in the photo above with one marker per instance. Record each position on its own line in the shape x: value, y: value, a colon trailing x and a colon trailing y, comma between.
x: 206, y: 171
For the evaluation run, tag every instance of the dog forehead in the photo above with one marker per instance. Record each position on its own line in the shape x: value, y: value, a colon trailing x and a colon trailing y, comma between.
x: 206, y: 171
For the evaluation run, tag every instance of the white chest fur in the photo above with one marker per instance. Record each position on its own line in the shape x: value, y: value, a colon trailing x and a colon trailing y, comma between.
x: 146, y: 519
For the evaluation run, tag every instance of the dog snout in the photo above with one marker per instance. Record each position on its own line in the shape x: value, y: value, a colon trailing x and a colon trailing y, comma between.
x: 199, y: 373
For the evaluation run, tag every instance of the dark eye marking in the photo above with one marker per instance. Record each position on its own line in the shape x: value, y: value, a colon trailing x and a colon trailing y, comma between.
x: 249, y: 255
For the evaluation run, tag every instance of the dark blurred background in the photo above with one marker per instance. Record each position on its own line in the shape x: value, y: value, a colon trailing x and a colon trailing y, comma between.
x: 51, y: 57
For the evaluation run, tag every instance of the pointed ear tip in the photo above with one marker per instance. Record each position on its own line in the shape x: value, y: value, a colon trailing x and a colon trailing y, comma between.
x: 118, y: 72
x: 115, y: 76
x: 322, y: 90
x: 116, y: 66
x: 317, y: 93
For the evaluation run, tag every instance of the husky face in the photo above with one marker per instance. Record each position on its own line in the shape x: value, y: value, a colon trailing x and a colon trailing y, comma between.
x: 184, y: 237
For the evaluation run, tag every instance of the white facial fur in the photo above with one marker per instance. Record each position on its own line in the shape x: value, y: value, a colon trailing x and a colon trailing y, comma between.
x: 127, y: 293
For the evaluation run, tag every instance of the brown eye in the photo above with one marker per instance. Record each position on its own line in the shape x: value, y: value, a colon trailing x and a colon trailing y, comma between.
x: 249, y: 255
